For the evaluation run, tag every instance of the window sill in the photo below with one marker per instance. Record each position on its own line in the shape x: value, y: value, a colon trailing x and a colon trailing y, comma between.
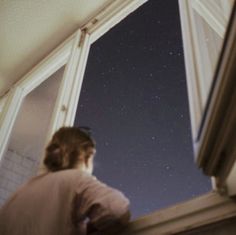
x: 198, y: 212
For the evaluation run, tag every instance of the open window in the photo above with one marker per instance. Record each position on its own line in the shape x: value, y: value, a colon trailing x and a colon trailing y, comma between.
x: 26, y: 142
x: 35, y: 107
x: 61, y: 74
x: 209, y: 34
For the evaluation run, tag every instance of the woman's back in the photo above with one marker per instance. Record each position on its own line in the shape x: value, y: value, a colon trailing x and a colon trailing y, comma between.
x: 58, y: 203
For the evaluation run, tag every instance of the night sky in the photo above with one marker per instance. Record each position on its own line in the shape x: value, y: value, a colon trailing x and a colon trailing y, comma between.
x: 134, y: 98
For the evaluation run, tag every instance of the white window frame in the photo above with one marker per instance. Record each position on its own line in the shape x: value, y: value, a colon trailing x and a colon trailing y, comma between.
x: 24, y: 86
x: 216, y: 143
x: 198, y: 84
x: 211, y: 136
x: 73, y: 53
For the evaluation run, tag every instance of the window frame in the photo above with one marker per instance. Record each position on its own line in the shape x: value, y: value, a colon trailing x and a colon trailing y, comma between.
x: 198, y: 87
x: 15, y: 96
x: 208, y: 132
x: 73, y: 53
x: 215, y: 139
x: 187, y: 216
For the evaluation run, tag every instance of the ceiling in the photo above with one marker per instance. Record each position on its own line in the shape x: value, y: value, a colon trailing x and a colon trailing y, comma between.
x: 30, y: 29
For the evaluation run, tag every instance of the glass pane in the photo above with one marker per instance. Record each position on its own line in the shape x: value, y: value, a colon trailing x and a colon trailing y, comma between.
x: 26, y: 144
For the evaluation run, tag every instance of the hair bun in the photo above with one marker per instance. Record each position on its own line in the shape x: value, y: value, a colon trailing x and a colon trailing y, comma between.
x: 54, y: 157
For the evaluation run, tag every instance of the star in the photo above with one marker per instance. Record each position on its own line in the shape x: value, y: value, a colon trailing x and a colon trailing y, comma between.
x: 151, y: 48
x: 167, y: 167
x: 157, y: 97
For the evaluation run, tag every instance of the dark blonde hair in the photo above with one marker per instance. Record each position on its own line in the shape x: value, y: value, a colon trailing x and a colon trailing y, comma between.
x: 64, y: 148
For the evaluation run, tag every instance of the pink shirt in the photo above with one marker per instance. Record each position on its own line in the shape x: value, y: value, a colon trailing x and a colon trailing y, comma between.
x: 61, y: 203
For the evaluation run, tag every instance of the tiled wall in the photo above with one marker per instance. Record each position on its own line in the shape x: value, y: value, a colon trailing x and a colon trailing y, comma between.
x: 14, y: 171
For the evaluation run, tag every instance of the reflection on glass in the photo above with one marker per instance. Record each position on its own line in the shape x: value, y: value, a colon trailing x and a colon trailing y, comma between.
x: 27, y: 140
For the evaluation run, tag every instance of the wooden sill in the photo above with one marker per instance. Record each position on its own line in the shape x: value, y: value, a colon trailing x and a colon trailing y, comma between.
x: 195, y: 213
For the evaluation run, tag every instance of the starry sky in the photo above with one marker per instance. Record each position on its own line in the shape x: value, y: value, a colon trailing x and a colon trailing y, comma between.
x: 134, y: 97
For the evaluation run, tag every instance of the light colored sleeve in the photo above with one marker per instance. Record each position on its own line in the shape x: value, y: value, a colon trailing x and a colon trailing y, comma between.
x: 103, y: 205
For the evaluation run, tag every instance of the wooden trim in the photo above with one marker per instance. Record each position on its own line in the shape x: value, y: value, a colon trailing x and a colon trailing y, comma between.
x: 200, y: 211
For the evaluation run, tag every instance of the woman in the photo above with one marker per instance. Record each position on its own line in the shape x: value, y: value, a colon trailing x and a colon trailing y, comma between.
x: 67, y: 199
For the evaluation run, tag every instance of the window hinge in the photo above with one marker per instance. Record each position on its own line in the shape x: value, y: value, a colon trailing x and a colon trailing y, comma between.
x: 64, y: 108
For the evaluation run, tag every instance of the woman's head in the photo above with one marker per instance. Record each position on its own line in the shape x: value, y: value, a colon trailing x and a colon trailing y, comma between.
x: 70, y: 147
